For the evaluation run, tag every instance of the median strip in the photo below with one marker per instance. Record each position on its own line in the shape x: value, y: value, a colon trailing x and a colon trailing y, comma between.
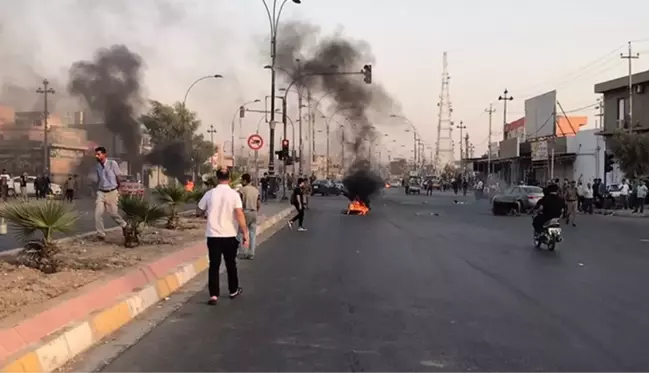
x: 49, y: 334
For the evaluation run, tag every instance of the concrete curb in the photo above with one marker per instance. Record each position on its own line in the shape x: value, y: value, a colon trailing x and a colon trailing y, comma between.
x: 47, y: 340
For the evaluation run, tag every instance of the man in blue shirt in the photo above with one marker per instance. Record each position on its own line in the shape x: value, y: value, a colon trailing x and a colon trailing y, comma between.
x: 108, y: 173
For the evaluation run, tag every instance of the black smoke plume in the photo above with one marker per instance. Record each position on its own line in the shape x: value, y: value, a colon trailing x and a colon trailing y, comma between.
x: 173, y: 156
x: 110, y: 84
x: 354, y: 99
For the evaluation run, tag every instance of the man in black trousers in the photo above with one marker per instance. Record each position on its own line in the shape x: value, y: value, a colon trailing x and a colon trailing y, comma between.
x: 223, y: 209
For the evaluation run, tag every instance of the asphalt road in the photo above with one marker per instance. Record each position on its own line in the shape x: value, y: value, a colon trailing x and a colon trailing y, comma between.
x: 403, y: 289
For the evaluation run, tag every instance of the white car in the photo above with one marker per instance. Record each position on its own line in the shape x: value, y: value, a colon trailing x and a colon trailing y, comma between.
x: 14, y: 189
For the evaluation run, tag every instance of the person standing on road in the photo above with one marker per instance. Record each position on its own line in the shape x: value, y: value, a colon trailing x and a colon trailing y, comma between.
x: 251, y: 200
x: 297, y: 200
x: 588, y: 195
x: 108, y: 173
x: 223, y: 208
x: 23, y: 186
x: 264, y: 187
x: 5, y: 182
x: 641, y: 195
x: 570, y: 195
x: 624, y: 194
x: 69, y: 189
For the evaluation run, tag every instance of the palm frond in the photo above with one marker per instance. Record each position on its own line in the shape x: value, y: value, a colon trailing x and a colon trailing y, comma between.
x: 171, y: 194
x: 138, y: 210
x: 47, y: 217
x: 197, y: 194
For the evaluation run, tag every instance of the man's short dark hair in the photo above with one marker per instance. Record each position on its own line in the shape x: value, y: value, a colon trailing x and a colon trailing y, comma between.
x: 300, y: 180
x: 223, y: 174
x: 553, y: 188
x: 246, y: 177
x: 100, y: 149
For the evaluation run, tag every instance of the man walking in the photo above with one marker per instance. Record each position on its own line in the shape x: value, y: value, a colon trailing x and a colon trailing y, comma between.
x: 264, y: 187
x: 23, y: 186
x: 588, y: 196
x: 108, y: 173
x: 641, y: 195
x: 297, y: 200
x: 624, y: 194
x: 251, y: 201
x: 571, y: 195
x: 223, y: 209
x: 69, y: 189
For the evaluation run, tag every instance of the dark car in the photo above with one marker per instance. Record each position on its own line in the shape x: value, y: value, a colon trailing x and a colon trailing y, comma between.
x: 324, y: 188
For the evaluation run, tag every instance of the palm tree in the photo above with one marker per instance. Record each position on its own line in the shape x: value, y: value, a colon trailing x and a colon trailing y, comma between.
x: 138, y: 212
x: 173, y: 196
x: 235, y: 178
x: 44, y: 219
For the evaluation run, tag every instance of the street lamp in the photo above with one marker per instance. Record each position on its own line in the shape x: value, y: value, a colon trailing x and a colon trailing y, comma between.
x: 414, y: 134
x: 273, y: 20
x: 215, y: 76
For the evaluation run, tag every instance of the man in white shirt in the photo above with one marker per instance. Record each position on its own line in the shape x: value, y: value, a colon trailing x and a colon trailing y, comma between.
x: 641, y: 195
x: 587, y: 194
x: 223, y: 209
x: 624, y: 194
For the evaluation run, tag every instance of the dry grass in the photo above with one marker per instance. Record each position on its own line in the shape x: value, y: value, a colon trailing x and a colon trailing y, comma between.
x: 86, y: 260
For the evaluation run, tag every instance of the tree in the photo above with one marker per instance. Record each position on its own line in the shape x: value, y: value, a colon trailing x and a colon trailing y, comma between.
x: 449, y: 172
x: 398, y: 166
x: 176, y: 146
x: 174, y: 196
x: 631, y: 152
x: 45, y: 219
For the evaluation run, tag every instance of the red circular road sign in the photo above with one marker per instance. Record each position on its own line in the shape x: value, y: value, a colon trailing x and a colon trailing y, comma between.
x: 255, y: 142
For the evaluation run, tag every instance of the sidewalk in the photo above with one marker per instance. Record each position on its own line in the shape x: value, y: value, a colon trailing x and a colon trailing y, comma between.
x: 623, y: 213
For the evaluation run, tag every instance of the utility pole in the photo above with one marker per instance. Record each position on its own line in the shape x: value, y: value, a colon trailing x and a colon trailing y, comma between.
x: 600, y: 125
x: 504, y: 98
x: 461, y: 127
x: 490, y: 111
x: 342, y: 150
x: 630, y: 57
x: 299, y: 114
x: 46, y: 149
x: 327, y: 151
x: 466, y: 146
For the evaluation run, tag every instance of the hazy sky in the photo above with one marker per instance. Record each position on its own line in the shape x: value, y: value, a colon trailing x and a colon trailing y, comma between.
x: 528, y: 47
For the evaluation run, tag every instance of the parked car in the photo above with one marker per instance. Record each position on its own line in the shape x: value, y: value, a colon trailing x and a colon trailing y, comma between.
x: 14, y: 188
x: 325, y: 188
x: 519, y: 198
x: 130, y: 185
x: 414, y: 185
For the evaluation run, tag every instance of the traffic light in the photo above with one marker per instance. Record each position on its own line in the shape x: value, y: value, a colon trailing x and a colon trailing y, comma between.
x: 367, y: 72
x: 242, y: 112
x: 608, y: 162
x: 285, y: 147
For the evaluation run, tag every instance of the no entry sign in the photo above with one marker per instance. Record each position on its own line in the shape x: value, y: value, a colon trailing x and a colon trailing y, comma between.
x: 255, y: 142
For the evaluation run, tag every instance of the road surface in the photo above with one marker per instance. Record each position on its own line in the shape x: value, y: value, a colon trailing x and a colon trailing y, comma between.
x: 420, y: 284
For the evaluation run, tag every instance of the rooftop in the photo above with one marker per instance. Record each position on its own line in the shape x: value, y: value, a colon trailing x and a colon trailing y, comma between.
x: 622, y: 82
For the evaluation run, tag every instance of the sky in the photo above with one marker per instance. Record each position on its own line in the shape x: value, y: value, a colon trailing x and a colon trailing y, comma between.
x: 523, y: 46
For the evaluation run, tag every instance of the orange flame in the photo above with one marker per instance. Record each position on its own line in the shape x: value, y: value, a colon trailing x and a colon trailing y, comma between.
x: 189, y: 186
x: 357, y: 208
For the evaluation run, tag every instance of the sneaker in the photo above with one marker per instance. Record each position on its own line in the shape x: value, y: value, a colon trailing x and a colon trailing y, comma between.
x: 213, y: 301
x: 301, y: 229
x: 236, y: 293
x: 290, y: 225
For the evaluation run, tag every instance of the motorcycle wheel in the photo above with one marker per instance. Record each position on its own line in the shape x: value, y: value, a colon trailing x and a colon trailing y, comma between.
x: 537, y: 243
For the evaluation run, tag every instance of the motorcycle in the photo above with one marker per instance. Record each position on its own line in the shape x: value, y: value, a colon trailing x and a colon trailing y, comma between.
x: 550, y: 235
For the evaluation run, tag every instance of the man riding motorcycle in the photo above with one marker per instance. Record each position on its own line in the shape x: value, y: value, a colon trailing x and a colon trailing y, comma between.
x: 551, y: 205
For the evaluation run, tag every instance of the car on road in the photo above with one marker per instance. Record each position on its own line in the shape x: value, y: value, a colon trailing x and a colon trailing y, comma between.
x: 129, y: 185
x: 414, y: 185
x: 325, y: 188
x: 519, y: 198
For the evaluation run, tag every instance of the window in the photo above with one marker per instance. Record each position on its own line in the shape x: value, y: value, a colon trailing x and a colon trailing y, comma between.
x: 621, y: 112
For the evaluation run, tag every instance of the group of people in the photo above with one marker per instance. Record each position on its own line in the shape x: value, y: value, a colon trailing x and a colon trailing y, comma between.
x: 231, y: 225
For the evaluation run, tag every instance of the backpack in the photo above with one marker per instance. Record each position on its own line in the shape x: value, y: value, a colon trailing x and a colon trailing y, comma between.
x: 294, y: 198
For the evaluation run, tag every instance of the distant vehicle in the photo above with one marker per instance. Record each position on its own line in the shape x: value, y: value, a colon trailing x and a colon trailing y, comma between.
x: 14, y: 188
x: 519, y: 198
x: 129, y: 185
x: 324, y: 188
x: 414, y: 185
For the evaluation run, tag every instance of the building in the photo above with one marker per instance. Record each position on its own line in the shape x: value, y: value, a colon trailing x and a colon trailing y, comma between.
x: 572, y: 154
x: 616, y: 103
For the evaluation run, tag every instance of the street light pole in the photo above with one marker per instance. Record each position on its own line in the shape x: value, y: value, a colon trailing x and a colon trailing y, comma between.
x: 273, y: 19
x: 46, y: 149
x: 461, y: 128
x: 212, y: 131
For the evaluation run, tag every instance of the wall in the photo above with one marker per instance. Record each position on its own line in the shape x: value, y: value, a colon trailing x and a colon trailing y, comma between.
x: 640, y: 108
x: 589, y: 161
